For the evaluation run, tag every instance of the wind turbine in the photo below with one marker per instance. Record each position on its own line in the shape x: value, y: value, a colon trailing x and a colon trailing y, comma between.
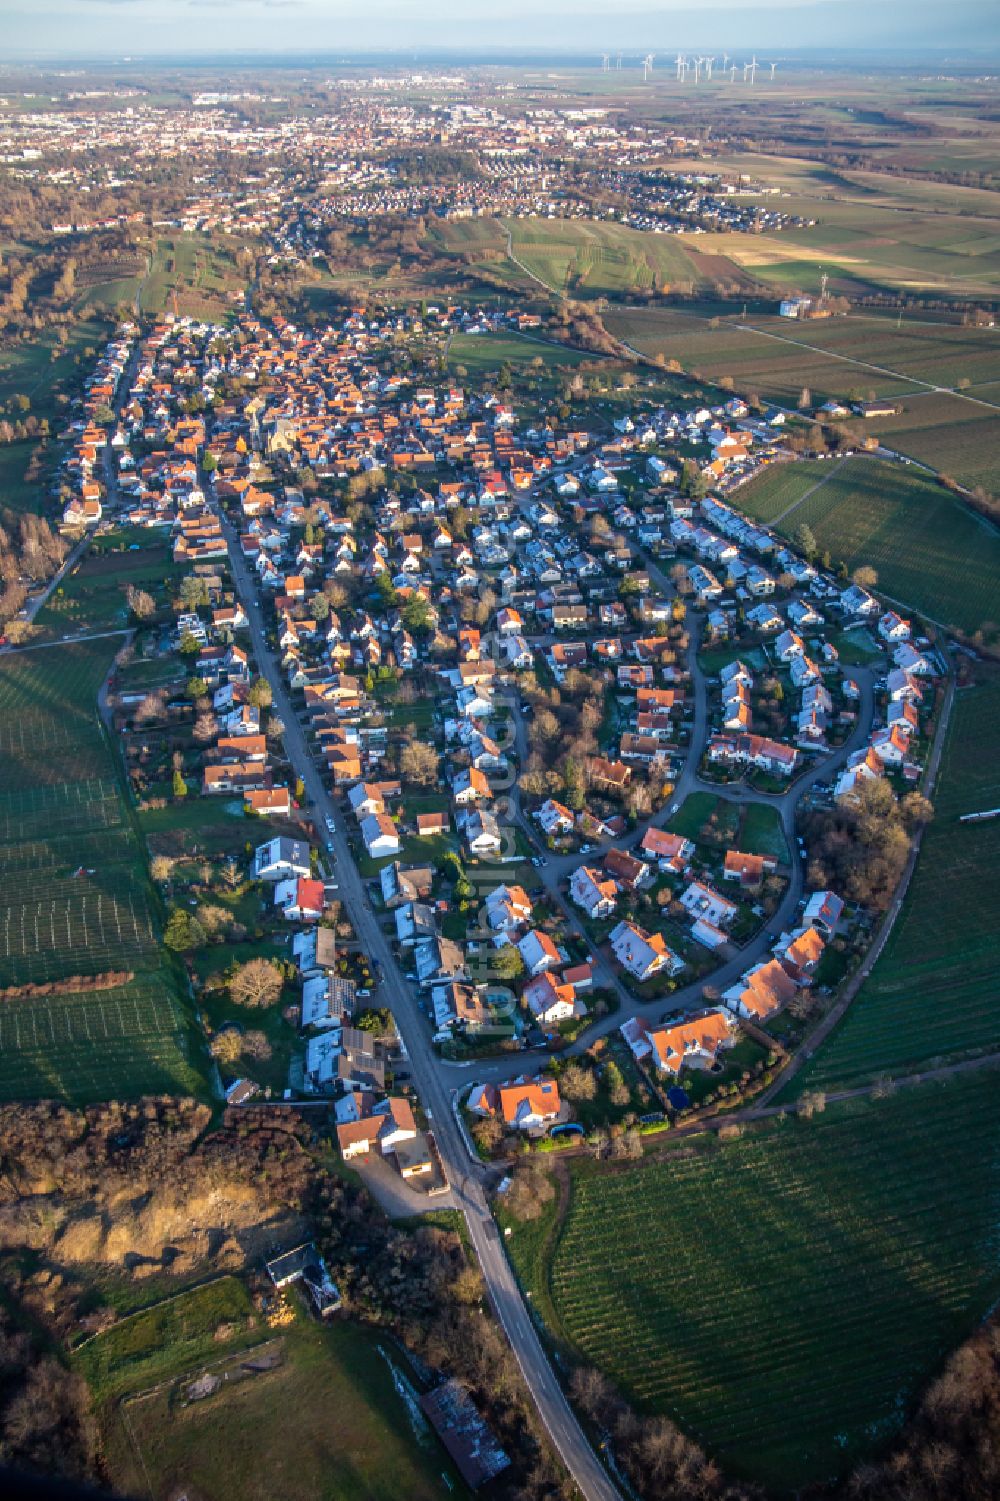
x: 605, y: 62
x: 681, y: 64
x: 647, y: 66
x: 773, y: 66
x: 732, y: 73
x: 725, y: 61
x: 697, y: 69
x: 708, y: 68
x: 753, y: 70
x: 746, y: 70
x: 619, y: 63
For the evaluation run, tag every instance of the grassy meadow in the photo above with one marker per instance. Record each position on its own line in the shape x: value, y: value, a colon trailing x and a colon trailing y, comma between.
x: 305, y: 1411
x: 93, y: 596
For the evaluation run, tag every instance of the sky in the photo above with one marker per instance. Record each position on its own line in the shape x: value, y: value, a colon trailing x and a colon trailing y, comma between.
x: 115, y: 28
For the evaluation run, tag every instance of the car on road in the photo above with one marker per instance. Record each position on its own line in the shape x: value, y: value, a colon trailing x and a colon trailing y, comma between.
x: 330, y: 846
x: 538, y: 861
x: 364, y: 993
x: 331, y: 825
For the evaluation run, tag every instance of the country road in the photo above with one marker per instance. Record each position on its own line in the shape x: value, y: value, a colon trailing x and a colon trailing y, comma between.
x: 467, y: 1179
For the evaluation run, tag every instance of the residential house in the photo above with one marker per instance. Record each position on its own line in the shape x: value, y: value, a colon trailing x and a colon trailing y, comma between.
x: 300, y: 899
x: 761, y: 992
x: 597, y: 897
x: 539, y: 952
x: 380, y: 835
x: 824, y: 910
x: 643, y: 954
x: 670, y: 851
x: 693, y: 1043
x: 550, y: 1000
x: 530, y: 1104
x: 281, y: 858
x: 749, y: 870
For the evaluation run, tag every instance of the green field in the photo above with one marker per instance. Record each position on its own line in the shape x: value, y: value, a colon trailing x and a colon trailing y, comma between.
x: 598, y: 259
x: 581, y: 257
x: 952, y: 434
x: 934, y: 994
x: 784, y: 1297
x: 307, y: 1412
x: 196, y: 269
x: 93, y: 596
x: 761, y: 832
x: 482, y: 352
x: 774, y: 368
x: 35, y: 369
x: 930, y: 551
x: 168, y: 1337
x: 702, y: 814
x: 75, y: 899
x: 872, y: 231
x: 754, y: 828
x: 42, y: 369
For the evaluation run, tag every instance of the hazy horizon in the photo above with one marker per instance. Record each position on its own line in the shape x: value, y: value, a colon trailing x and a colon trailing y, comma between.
x: 113, y: 29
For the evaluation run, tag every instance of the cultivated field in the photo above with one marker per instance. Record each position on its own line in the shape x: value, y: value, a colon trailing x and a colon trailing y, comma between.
x: 75, y: 899
x: 934, y: 994
x: 200, y: 272
x: 919, y: 364
x: 930, y: 551
x: 873, y: 232
x: 784, y: 1296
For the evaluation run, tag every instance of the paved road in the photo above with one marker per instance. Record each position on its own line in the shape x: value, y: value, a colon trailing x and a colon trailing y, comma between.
x: 467, y: 1178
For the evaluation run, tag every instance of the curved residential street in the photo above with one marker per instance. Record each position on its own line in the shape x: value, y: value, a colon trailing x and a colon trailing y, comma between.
x: 558, y: 868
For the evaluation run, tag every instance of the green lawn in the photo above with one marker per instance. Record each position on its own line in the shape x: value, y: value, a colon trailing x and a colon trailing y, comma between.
x: 761, y: 832
x: 934, y: 993
x: 784, y: 1297
x: 171, y: 1336
x: 324, y: 1424
x: 929, y: 550
x: 706, y: 818
x: 481, y: 352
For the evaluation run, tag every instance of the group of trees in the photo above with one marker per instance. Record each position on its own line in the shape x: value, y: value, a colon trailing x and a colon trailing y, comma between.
x: 662, y: 1464
x: 860, y: 846
x: 562, y: 735
x: 45, y: 1419
x: 29, y: 548
x: 951, y: 1449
